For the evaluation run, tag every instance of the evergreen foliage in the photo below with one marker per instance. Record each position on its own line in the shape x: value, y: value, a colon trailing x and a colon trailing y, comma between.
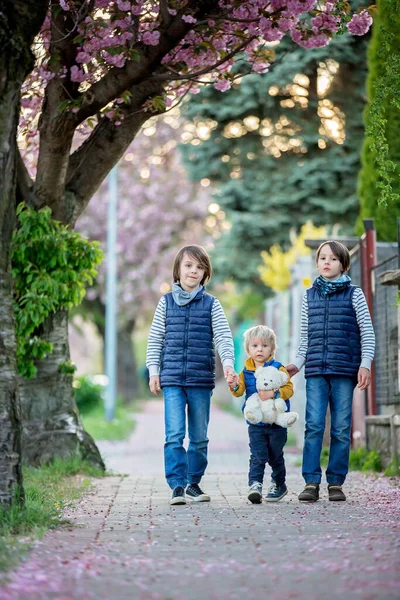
x: 272, y: 155
x: 379, y: 181
x: 51, y: 266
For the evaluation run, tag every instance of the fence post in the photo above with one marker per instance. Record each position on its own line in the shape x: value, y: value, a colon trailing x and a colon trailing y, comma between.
x: 368, y: 261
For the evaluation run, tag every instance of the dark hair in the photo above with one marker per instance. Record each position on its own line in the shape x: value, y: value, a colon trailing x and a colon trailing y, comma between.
x: 198, y: 253
x: 339, y: 251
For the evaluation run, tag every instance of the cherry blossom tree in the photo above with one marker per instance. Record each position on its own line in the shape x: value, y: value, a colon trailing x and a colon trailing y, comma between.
x: 103, y: 68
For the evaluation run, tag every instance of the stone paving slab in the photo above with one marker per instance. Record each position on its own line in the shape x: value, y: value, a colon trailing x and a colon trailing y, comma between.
x: 129, y: 543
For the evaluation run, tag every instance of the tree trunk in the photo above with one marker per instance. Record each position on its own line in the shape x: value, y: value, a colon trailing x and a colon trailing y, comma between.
x: 127, y: 375
x: 52, y: 427
x: 19, y: 23
x: 10, y: 429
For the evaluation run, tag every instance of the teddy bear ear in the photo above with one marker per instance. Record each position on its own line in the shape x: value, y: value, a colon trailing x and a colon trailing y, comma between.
x: 258, y: 370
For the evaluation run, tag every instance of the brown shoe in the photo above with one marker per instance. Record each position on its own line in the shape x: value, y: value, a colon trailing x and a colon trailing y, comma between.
x: 335, y: 492
x: 310, y: 492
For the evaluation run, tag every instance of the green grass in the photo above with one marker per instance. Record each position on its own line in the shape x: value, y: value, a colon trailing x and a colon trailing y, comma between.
x: 360, y: 459
x: 48, y: 491
x: 393, y: 469
x: 119, y: 429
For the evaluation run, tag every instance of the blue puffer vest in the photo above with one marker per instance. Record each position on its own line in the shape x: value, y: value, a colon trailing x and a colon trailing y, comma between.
x: 250, y: 383
x: 188, y: 355
x: 334, y: 344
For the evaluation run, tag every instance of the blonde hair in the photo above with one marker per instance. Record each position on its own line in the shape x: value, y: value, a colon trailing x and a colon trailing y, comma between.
x: 260, y: 331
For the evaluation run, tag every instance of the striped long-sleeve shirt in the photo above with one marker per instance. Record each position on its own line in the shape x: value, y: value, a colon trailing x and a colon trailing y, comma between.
x: 221, y: 332
x: 364, y: 323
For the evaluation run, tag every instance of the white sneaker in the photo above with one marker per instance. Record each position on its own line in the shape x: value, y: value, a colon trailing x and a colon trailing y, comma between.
x: 255, y: 493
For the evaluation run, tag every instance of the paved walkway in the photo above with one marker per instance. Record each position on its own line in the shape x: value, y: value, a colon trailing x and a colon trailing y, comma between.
x: 127, y: 543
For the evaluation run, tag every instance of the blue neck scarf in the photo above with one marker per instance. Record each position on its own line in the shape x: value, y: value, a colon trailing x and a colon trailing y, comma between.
x: 181, y: 297
x: 326, y: 287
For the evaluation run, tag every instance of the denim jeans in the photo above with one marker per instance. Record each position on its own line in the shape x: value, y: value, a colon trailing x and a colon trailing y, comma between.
x: 337, y: 391
x: 266, y: 446
x: 181, y: 466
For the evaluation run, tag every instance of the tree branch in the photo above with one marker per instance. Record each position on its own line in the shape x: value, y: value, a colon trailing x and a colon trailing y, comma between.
x: 94, y: 159
x: 118, y: 80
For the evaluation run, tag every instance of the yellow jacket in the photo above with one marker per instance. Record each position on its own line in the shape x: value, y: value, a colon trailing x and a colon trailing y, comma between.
x: 286, y: 391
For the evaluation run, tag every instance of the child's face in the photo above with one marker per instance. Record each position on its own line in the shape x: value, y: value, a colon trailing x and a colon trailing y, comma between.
x: 328, y: 264
x: 259, y: 350
x: 190, y: 273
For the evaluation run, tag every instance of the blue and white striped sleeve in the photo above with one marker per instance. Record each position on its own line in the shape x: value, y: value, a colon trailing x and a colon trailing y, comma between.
x: 366, y: 329
x: 156, y: 339
x: 222, y: 335
x: 301, y: 356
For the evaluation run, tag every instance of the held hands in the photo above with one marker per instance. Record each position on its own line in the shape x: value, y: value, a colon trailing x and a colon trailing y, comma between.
x: 292, y: 370
x: 364, y: 378
x: 154, y: 384
x: 232, y: 379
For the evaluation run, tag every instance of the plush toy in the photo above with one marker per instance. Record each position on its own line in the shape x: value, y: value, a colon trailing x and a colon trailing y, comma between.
x: 273, y: 410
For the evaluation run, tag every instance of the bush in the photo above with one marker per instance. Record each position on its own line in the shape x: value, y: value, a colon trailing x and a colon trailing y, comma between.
x: 88, y: 393
x: 361, y: 459
x: 393, y: 468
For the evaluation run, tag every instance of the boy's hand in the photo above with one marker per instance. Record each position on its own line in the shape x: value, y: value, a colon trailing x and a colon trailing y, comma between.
x: 266, y: 394
x: 154, y: 384
x: 364, y: 378
x: 232, y: 379
x: 292, y: 370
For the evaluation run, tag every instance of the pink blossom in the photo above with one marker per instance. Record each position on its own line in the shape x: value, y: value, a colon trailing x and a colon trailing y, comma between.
x: 261, y: 67
x: 82, y: 57
x: 360, y: 23
x: 222, y: 85
x: 116, y: 60
x: 151, y: 38
x: 324, y: 21
x: 124, y: 5
x: 77, y: 74
x: 307, y: 39
x: 270, y: 32
x: 189, y: 19
x: 64, y: 4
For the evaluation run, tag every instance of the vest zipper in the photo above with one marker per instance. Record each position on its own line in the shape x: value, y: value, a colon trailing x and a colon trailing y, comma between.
x: 185, y: 346
x: 325, y: 334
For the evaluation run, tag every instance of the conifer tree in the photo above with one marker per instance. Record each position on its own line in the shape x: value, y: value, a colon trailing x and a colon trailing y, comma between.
x: 379, y: 181
x: 281, y: 150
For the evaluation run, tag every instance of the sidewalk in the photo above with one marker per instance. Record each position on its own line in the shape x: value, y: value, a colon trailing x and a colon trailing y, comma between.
x: 128, y: 543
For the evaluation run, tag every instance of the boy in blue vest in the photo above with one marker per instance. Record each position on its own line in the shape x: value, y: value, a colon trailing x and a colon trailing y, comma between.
x: 266, y: 441
x: 337, y: 346
x: 181, y: 360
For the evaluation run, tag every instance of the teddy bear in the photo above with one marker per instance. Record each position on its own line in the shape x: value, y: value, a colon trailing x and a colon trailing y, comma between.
x: 273, y: 410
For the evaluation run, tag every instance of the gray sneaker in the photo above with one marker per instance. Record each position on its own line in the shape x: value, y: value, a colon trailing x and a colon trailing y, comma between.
x: 255, y: 493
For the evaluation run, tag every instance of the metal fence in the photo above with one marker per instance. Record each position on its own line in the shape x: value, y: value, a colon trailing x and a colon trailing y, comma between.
x: 386, y: 332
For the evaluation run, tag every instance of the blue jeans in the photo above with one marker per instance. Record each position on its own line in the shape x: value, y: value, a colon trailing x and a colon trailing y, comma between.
x: 266, y: 446
x: 337, y: 391
x: 181, y: 466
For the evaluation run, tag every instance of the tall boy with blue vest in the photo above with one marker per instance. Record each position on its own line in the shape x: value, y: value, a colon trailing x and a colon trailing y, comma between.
x: 181, y: 360
x: 337, y: 346
x: 266, y: 440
